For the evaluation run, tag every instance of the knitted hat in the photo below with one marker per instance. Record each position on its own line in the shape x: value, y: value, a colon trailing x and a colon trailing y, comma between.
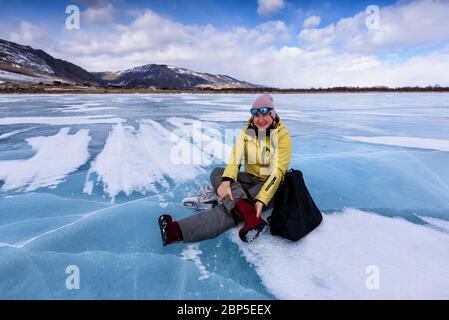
x: 265, y: 100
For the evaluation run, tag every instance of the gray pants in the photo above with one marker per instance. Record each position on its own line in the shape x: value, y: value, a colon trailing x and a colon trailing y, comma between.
x: 213, y: 222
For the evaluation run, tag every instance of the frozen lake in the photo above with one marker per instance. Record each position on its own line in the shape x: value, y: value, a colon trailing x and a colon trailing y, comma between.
x: 83, y: 179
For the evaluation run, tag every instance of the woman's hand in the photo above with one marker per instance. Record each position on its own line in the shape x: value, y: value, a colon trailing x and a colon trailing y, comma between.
x: 258, y: 206
x: 224, y: 189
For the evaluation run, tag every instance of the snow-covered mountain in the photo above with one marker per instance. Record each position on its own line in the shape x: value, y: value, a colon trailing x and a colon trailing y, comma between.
x: 168, y: 77
x: 24, y: 64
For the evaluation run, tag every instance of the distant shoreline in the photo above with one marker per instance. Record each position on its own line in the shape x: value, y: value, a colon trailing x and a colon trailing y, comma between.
x: 72, y: 89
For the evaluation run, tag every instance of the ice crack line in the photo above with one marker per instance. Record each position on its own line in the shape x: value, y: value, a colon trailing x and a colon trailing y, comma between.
x: 85, y: 216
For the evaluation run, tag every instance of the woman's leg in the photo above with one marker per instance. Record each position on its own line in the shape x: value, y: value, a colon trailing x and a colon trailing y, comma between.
x: 211, y: 223
x: 244, y: 190
x: 206, y: 225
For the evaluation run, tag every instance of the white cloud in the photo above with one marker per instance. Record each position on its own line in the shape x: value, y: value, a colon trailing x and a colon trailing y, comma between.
x: 28, y: 34
x: 249, y: 54
x: 269, y: 7
x: 317, y: 38
x: 338, y: 54
x: 403, y: 25
x: 295, y: 67
x: 151, y: 38
x: 98, y: 14
x: 312, y: 22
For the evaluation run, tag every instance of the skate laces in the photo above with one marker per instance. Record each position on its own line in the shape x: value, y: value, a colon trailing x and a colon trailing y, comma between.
x: 206, y: 197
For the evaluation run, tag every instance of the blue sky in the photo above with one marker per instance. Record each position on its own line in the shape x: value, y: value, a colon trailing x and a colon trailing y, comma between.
x: 275, y: 42
x: 194, y: 11
x: 221, y: 13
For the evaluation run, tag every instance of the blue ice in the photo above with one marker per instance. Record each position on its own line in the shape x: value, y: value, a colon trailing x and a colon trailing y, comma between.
x: 83, y: 179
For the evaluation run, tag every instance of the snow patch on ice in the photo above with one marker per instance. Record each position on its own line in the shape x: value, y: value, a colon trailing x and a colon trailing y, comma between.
x: 62, y: 121
x: 86, y: 107
x: 192, y: 253
x: 219, y: 103
x: 438, y: 224
x: 56, y: 157
x: 408, y: 142
x: 154, y: 99
x: 209, y: 141
x: 9, y: 134
x: 88, y: 187
x: 138, y: 161
x: 225, y: 116
x: 332, y: 261
x: 389, y: 114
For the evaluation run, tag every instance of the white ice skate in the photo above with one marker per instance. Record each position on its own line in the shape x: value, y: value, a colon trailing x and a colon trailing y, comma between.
x: 206, y: 199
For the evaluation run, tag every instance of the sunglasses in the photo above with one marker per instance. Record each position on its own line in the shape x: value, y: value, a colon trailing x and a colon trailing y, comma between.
x: 263, y: 111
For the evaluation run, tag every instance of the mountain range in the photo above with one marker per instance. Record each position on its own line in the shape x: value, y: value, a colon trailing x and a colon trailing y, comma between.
x: 24, y: 64
x: 167, y: 77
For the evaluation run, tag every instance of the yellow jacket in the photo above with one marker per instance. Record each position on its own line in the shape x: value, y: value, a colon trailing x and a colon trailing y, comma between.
x: 266, y: 158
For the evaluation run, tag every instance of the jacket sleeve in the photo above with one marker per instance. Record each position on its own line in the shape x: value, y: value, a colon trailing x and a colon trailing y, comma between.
x: 280, y: 163
x: 237, y: 155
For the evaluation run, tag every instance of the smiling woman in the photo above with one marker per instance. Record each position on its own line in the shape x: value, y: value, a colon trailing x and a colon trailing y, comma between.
x: 264, y: 146
x: 381, y: 180
x: 95, y: 180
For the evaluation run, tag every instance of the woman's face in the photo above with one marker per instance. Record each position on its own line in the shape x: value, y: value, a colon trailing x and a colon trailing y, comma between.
x: 262, y: 122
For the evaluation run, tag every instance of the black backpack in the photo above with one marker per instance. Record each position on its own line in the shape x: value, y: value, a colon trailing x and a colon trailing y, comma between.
x: 294, y: 211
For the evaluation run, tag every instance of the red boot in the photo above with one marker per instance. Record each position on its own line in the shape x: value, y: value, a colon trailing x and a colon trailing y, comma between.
x: 253, y: 226
x: 170, y: 230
